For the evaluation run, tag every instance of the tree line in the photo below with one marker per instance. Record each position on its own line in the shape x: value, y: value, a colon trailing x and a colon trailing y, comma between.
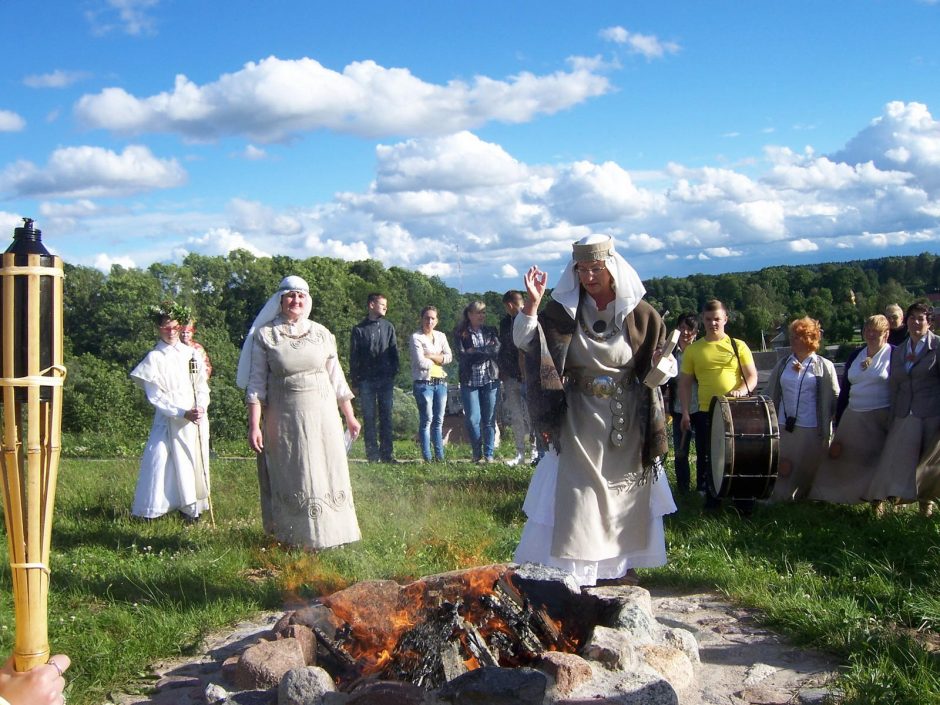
x: 107, y: 329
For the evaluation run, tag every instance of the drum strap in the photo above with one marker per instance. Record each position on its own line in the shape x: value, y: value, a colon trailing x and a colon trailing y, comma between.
x: 734, y: 346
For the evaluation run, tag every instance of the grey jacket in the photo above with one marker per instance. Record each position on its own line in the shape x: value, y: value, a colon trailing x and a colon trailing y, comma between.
x: 916, y: 392
x: 827, y: 392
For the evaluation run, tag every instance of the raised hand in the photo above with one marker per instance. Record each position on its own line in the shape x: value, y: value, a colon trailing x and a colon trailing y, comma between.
x: 536, y: 282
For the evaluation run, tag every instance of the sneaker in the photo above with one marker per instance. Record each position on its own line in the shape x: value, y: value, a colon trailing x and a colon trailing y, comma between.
x: 515, y: 461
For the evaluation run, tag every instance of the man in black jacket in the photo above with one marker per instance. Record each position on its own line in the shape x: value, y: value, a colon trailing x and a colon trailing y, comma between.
x: 373, y: 364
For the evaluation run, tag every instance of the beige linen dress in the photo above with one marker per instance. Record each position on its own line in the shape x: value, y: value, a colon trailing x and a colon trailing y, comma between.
x: 306, y: 497
x: 589, y: 511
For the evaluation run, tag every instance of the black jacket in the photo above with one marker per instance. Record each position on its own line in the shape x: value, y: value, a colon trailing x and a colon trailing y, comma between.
x: 373, y: 351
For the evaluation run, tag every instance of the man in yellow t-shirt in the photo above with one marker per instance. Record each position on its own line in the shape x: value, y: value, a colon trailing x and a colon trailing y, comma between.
x: 712, y: 363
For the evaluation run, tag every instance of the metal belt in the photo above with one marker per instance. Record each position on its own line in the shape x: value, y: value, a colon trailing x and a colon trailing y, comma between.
x: 605, y: 387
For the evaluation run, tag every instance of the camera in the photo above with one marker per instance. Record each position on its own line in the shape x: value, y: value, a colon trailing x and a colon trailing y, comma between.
x: 790, y: 424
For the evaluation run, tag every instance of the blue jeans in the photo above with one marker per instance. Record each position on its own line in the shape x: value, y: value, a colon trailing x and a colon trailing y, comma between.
x: 431, y: 398
x: 377, y: 393
x: 479, y: 411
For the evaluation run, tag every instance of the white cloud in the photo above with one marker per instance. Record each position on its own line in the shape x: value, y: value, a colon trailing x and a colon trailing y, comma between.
x: 55, y: 79
x: 221, y: 241
x: 253, y: 153
x: 103, y: 262
x: 507, y: 271
x: 273, y: 99
x: 803, y: 245
x: 255, y: 218
x: 587, y: 193
x: 457, y: 162
x: 906, y: 138
x: 642, y: 242
x: 463, y: 208
x: 722, y: 252
x: 647, y: 45
x: 81, y: 208
x: 88, y: 172
x: 127, y: 16
x: 10, y: 121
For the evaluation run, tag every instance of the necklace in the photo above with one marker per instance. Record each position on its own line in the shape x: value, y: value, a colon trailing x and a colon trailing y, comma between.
x: 602, y: 334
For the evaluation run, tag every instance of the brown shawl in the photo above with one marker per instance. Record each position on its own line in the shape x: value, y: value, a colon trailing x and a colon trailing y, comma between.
x: 546, y: 354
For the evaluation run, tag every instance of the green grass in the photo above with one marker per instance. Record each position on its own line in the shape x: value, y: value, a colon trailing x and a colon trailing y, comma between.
x: 126, y: 594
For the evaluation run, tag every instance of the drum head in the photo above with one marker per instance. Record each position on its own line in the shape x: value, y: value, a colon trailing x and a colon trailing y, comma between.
x: 718, y: 440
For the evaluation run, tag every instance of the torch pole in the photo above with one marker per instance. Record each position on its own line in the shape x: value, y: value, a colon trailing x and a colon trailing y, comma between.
x: 31, y: 381
x: 203, y: 460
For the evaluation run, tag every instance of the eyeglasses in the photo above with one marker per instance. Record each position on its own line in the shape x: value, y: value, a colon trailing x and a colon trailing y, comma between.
x: 593, y: 271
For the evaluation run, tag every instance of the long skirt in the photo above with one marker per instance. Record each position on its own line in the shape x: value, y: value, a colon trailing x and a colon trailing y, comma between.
x: 535, y: 545
x: 901, y: 460
x: 846, y: 472
x: 801, y: 450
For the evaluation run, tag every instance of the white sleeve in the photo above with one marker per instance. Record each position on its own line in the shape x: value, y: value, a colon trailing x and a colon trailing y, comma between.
x: 257, y: 389
x: 335, y: 371
x: 161, y: 402
x: 523, y: 329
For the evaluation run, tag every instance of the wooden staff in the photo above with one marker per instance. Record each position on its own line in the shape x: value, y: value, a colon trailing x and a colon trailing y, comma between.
x: 203, y: 460
x: 30, y: 469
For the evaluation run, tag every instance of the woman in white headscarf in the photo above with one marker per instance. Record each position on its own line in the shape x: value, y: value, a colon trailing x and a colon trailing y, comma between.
x: 596, y: 502
x: 293, y: 381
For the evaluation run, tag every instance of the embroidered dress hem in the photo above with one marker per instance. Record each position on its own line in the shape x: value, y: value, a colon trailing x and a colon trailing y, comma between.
x: 536, y: 542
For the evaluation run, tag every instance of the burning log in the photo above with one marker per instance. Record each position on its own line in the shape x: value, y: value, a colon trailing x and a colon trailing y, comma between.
x: 477, y: 646
x: 336, y: 651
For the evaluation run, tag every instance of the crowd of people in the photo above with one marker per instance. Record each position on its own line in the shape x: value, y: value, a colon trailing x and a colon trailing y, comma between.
x: 872, y: 436
x: 569, y: 380
x: 574, y: 375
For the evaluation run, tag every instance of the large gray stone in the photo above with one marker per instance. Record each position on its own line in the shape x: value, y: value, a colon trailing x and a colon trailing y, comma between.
x: 638, y: 623
x: 635, y: 688
x: 264, y: 664
x: 496, y: 686
x: 568, y: 670
x: 611, y: 647
x: 683, y: 640
x: 304, y: 636
x: 670, y: 662
x: 387, y: 693
x: 304, y: 686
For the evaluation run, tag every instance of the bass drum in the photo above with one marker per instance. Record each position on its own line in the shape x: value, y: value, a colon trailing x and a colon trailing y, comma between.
x: 745, y: 442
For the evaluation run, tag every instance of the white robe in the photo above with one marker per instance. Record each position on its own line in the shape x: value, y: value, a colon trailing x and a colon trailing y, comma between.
x: 174, y: 471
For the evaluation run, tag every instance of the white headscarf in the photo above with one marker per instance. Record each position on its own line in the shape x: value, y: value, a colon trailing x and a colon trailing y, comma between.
x: 268, y: 313
x: 628, y: 288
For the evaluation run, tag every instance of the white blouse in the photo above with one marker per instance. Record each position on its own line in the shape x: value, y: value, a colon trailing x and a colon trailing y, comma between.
x: 870, y: 388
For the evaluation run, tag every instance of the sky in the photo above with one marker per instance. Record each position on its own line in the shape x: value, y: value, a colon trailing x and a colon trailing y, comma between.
x: 470, y: 140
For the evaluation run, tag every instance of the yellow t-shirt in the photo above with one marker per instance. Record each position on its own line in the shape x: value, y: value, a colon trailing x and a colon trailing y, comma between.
x: 715, y: 367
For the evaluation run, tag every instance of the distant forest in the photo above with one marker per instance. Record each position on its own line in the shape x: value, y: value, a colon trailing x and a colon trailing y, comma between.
x: 107, y: 330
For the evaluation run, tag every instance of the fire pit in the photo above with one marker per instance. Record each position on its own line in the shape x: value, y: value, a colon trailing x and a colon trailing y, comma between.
x: 489, y: 628
x: 432, y: 630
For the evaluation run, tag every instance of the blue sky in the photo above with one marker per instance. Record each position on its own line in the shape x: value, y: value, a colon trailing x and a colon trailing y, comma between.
x: 470, y: 140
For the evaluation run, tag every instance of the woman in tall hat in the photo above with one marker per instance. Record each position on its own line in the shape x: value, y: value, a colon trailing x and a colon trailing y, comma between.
x: 595, y: 503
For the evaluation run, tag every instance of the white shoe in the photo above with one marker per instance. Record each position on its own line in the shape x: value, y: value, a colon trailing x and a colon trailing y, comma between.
x: 515, y: 461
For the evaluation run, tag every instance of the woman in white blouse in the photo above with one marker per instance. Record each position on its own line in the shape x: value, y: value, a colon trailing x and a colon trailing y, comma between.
x: 430, y: 351
x: 862, y: 420
x: 803, y: 387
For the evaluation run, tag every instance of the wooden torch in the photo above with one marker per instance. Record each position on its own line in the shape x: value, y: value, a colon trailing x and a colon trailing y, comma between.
x: 31, y: 382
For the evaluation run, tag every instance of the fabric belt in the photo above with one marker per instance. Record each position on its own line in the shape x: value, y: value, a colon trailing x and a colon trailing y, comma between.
x: 433, y: 382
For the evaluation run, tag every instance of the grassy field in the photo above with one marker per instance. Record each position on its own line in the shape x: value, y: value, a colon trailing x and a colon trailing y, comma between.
x: 126, y: 593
